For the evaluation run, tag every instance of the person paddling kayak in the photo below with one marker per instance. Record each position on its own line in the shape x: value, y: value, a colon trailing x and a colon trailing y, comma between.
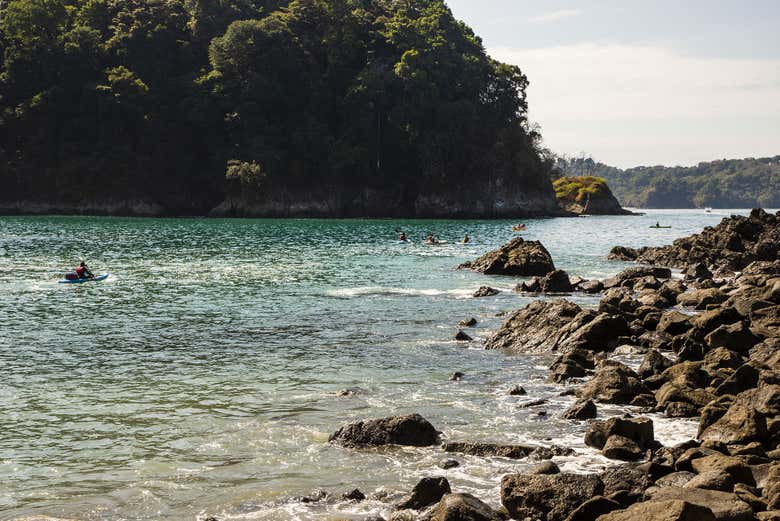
x: 83, y: 272
x: 466, y: 239
x: 402, y: 237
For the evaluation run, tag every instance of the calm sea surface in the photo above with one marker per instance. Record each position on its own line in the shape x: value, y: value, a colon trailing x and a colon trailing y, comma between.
x: 203, y: 377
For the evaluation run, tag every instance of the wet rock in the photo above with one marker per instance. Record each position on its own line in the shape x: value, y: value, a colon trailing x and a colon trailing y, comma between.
x: 697, y: 271
x: 449, y: 464
x: 549, y: 497
x: 545, y: 467
x: 546, y: 453
x: 591, y: 286
x: 485, y: 291
x: 489, y: 449
x: 661, y: 511
x: 710, y: 320
x: 581, y: 410
x: 517, y: 391
x: 672, y: 392
x: 735, y: 337
x: 411, y: 429
x: 593, y: 508
x: 674, y: 323
x: 532, y: 403
x: 468, y: 322
x: 573, y: 364
x: 639, y: 430
x: 739, y: 424
x: 628, y: 478
x: 721, y: 358
x: 353, y: 495
x: 675, y: 479
x: 556, y: 282
x: 623, y: 253
x: 744, y: 378
x: 463, y: 507
x: 733, y: 466
x: 712, y: 480
x: 536, y: 328
x: 701, y: 298
x: 653, y: 363
x: 518, y: 257
x: 621, y: 448
x: 671, y: 289
x: 460, y: 336
x: 426, y: 492
x: 613, y: 383
x: 681, y: 410
x: 724, y: 505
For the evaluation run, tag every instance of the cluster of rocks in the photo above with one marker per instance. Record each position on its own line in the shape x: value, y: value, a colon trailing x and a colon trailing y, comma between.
x: 731, y: 245
x: 711, y: 351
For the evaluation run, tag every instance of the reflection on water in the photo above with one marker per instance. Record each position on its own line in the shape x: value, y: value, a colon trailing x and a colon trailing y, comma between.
x: 202, y: 377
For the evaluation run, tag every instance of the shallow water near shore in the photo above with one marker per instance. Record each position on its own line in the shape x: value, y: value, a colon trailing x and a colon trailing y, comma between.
x: 203, y: 377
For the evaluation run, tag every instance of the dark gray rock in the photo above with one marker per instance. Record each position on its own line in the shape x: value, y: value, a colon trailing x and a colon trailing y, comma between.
x: 411, y: 429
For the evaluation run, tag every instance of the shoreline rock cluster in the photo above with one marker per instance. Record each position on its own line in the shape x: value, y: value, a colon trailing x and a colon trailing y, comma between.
x: 711, y: 347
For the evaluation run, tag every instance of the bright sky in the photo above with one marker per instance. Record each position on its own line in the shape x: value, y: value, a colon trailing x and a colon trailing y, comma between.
x: 643, y: 82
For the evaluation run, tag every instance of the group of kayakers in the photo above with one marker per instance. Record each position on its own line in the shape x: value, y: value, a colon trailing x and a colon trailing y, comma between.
x: 431, y: 239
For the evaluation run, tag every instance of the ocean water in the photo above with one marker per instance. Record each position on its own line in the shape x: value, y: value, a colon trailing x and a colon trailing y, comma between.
x: 204, y: 376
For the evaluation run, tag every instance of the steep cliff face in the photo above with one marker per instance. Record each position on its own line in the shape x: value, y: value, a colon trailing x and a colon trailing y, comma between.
x: 477, y: 200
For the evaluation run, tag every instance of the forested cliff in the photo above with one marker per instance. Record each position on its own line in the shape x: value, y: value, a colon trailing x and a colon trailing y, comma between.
x: 260, y: 107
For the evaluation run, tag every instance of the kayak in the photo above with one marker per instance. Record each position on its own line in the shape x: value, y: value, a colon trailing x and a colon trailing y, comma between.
x: 659, y: 226
x: 437, y: 243
x: 97, y: 278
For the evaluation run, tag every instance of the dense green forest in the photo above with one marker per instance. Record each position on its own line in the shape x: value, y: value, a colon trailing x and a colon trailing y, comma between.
x: 178, y: 103
x: 728, y: 183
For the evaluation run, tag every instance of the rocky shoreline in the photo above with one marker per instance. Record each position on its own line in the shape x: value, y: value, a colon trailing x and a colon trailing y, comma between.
x: 709, y: 335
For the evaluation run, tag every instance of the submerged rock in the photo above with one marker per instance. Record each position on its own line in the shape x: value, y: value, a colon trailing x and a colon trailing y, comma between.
x: 489, y: 449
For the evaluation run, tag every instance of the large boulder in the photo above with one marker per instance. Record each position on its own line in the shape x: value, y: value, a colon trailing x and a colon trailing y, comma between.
x: 518, y: 257
x: 741, y: 423
x: 639, y: 430
x: 724, y: 505
x: 701, y: 298
x: 673, y: 510
x: 653, y: 363
x: 537, y: 327
x: 547, y: 497
x: 613, y: 383
x: 735, y: 337
x: 580, y: 410
x: 425, y: 493
x: 411, y: 429
x: 463, y: 507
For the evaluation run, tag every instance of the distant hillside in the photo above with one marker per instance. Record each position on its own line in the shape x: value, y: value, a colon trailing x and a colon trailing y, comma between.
x: 729, y: 183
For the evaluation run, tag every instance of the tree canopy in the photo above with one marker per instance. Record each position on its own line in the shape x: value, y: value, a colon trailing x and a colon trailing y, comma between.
x: 176, y: 100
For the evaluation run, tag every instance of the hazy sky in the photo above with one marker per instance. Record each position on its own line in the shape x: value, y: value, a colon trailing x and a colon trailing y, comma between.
x: 643, y: 82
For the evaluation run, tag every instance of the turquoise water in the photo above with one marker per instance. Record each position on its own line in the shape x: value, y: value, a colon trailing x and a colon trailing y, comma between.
x: 203, y: 377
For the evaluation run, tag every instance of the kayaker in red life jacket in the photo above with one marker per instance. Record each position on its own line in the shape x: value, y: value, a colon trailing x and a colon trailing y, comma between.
x: 83, y: 272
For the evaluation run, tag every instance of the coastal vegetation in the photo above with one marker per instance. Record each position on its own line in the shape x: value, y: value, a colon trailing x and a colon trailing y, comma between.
x: 586, y: 195
x: 376, y: 106
x: 728, y: 183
